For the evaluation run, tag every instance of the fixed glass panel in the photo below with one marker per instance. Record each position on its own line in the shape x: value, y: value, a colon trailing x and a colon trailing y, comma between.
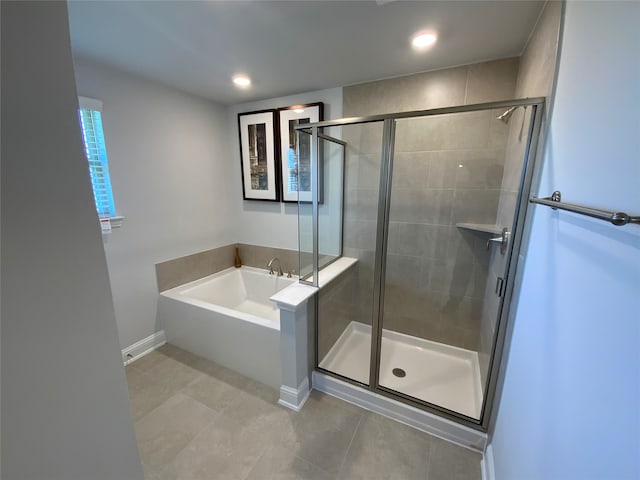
x: 331, y: 167
x: 305, y: 227
x: 455, y: 181
x: 345, y: 304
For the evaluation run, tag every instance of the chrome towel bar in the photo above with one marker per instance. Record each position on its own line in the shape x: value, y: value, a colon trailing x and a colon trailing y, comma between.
x: 554, y: 201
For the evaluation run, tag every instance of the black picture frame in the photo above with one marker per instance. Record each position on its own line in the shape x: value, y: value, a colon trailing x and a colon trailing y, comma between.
x: 258, y: 135
x: 295, y: 172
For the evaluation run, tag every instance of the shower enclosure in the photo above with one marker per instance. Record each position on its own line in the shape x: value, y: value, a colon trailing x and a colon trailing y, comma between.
x: 430, y: 204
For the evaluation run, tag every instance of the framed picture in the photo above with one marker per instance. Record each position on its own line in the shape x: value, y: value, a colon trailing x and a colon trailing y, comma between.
x: 295, y: 150
x: 258, y: 155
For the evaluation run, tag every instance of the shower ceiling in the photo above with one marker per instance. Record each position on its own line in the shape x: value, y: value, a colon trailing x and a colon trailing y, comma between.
x: 291, y: 47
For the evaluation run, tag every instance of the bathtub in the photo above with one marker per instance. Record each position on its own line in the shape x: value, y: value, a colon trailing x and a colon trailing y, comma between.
x: 228, y: 318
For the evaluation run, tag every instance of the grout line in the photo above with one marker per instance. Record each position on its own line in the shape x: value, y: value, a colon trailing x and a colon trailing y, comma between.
x: 205, y: 426
x: 346, y: 453
x: 466, y: 87
x: 431, y: 448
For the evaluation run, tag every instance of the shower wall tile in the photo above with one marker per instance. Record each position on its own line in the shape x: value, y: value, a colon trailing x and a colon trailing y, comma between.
x: 403, y: 271
x: 475, y: 206
x: 435, y: 272
x: 478, y: 169
x: 535, y: 79
x: 361, y: 204
x: 407, y: 238
x: 443, y: 166
x: 421, y: 91
x: 469, y: 246
x: 360, y: 234
x: 368, y: 168
x: 336, y: 309
x: 435, y: 275
x: 538, y: 61
x: 506, y: 208
x: 492, y: 81
x: 431, y: 206
x: 410, y: 169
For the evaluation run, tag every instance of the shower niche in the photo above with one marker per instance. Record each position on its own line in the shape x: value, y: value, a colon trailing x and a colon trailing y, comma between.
x: 432, y: 204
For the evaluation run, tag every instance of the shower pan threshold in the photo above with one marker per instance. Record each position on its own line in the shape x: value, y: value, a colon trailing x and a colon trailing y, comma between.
x: 434, y: 372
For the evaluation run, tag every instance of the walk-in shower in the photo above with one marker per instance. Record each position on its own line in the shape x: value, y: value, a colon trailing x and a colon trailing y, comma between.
x: 431, y: 205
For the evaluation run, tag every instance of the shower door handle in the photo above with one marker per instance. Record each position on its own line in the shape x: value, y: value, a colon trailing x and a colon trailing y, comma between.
x: 503, y: 240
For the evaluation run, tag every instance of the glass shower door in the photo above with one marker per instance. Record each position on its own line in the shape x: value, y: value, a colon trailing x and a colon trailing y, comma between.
x: 345, y: 306
x: 454, y: 185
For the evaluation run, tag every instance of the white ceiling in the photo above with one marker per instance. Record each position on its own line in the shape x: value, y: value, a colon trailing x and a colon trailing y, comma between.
x: 290, y: 47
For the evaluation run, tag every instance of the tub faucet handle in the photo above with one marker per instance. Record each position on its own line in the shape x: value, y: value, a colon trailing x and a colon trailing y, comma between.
x: 290, y: 272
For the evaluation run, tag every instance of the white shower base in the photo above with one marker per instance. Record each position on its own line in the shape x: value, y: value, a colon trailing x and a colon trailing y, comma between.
x: 436, y: 373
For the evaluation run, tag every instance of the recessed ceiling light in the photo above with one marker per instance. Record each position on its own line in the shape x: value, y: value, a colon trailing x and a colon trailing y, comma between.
x: 298, y: 110
x: 423, y: 40
x: 241, y: 80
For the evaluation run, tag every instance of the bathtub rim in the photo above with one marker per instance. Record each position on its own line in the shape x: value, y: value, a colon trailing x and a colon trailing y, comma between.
x: 178, y: 293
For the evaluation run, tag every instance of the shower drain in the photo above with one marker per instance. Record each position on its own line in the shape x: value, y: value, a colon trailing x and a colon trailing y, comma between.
x: 398, y: 372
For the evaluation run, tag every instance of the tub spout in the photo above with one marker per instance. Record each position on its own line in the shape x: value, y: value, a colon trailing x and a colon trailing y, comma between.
x: 270, y: 266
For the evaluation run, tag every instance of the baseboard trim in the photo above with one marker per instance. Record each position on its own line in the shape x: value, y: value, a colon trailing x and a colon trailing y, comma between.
x: 294, y: 398
x: 414, y: 417
x: 140, y: 349
x: 486, y: 465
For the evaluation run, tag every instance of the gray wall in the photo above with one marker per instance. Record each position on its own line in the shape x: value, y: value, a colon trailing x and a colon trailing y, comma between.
x: 169, y: 171
x: 433, y: 267
x: 269, y: 224
x: 569, y: 404
x: 65, y: 411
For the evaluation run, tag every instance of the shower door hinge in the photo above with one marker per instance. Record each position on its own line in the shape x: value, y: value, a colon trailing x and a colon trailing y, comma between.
x: 500, y: 286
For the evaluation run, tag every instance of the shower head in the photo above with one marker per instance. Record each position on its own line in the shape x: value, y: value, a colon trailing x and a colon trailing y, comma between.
x: 506, y: 115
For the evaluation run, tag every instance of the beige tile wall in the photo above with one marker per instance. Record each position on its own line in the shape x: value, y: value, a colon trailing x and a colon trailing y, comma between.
x: 185, y: 269
x: 432, y: 266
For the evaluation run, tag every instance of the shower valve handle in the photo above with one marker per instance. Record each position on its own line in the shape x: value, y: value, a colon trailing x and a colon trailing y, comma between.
x: 503, y: 240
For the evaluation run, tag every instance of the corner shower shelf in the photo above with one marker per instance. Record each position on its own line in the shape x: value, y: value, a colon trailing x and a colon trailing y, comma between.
x: 481, y: 227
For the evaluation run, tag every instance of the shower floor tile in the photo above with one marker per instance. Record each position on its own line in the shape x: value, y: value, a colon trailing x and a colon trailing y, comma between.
x: 434, y: 372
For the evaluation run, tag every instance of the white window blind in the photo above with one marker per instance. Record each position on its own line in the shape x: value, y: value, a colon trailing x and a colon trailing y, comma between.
x: 96, y: 153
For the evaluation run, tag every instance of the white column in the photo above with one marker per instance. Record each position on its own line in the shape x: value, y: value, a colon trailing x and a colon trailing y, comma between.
x: 294, y: 352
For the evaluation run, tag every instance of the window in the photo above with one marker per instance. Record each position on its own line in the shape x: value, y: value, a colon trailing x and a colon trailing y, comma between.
x: 96, y: 152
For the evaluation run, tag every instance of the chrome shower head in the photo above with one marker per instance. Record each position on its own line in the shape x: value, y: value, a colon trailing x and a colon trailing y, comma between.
x: 506, y: 115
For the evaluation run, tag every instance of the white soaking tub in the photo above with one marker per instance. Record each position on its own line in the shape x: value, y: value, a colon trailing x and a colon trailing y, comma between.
x: 228, y: 318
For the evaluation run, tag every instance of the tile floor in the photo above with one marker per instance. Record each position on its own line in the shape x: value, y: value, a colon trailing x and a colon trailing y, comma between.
x: 198, y: 420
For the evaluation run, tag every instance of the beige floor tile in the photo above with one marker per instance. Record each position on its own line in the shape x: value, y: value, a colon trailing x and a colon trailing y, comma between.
x: 144, y: 399
x: 215, y: 393
x: 135, y: 376
x: 280, y: 463
x: 169, y: 428
x: 452, y: 462
x: 149, y: 361
x: 173, y: 374
x: 225, y: 449
x: 197, y: 420
x: 385, y: 449
x: 256, y: 405
x: 323, y: 431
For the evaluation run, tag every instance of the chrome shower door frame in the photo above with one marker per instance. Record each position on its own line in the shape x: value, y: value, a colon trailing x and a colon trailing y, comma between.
x: 382, y: 233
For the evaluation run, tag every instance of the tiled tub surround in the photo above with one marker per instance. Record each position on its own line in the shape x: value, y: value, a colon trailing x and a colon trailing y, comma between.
x: 447, y: 169
x: 185, y: 269
x: 248, y: 320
